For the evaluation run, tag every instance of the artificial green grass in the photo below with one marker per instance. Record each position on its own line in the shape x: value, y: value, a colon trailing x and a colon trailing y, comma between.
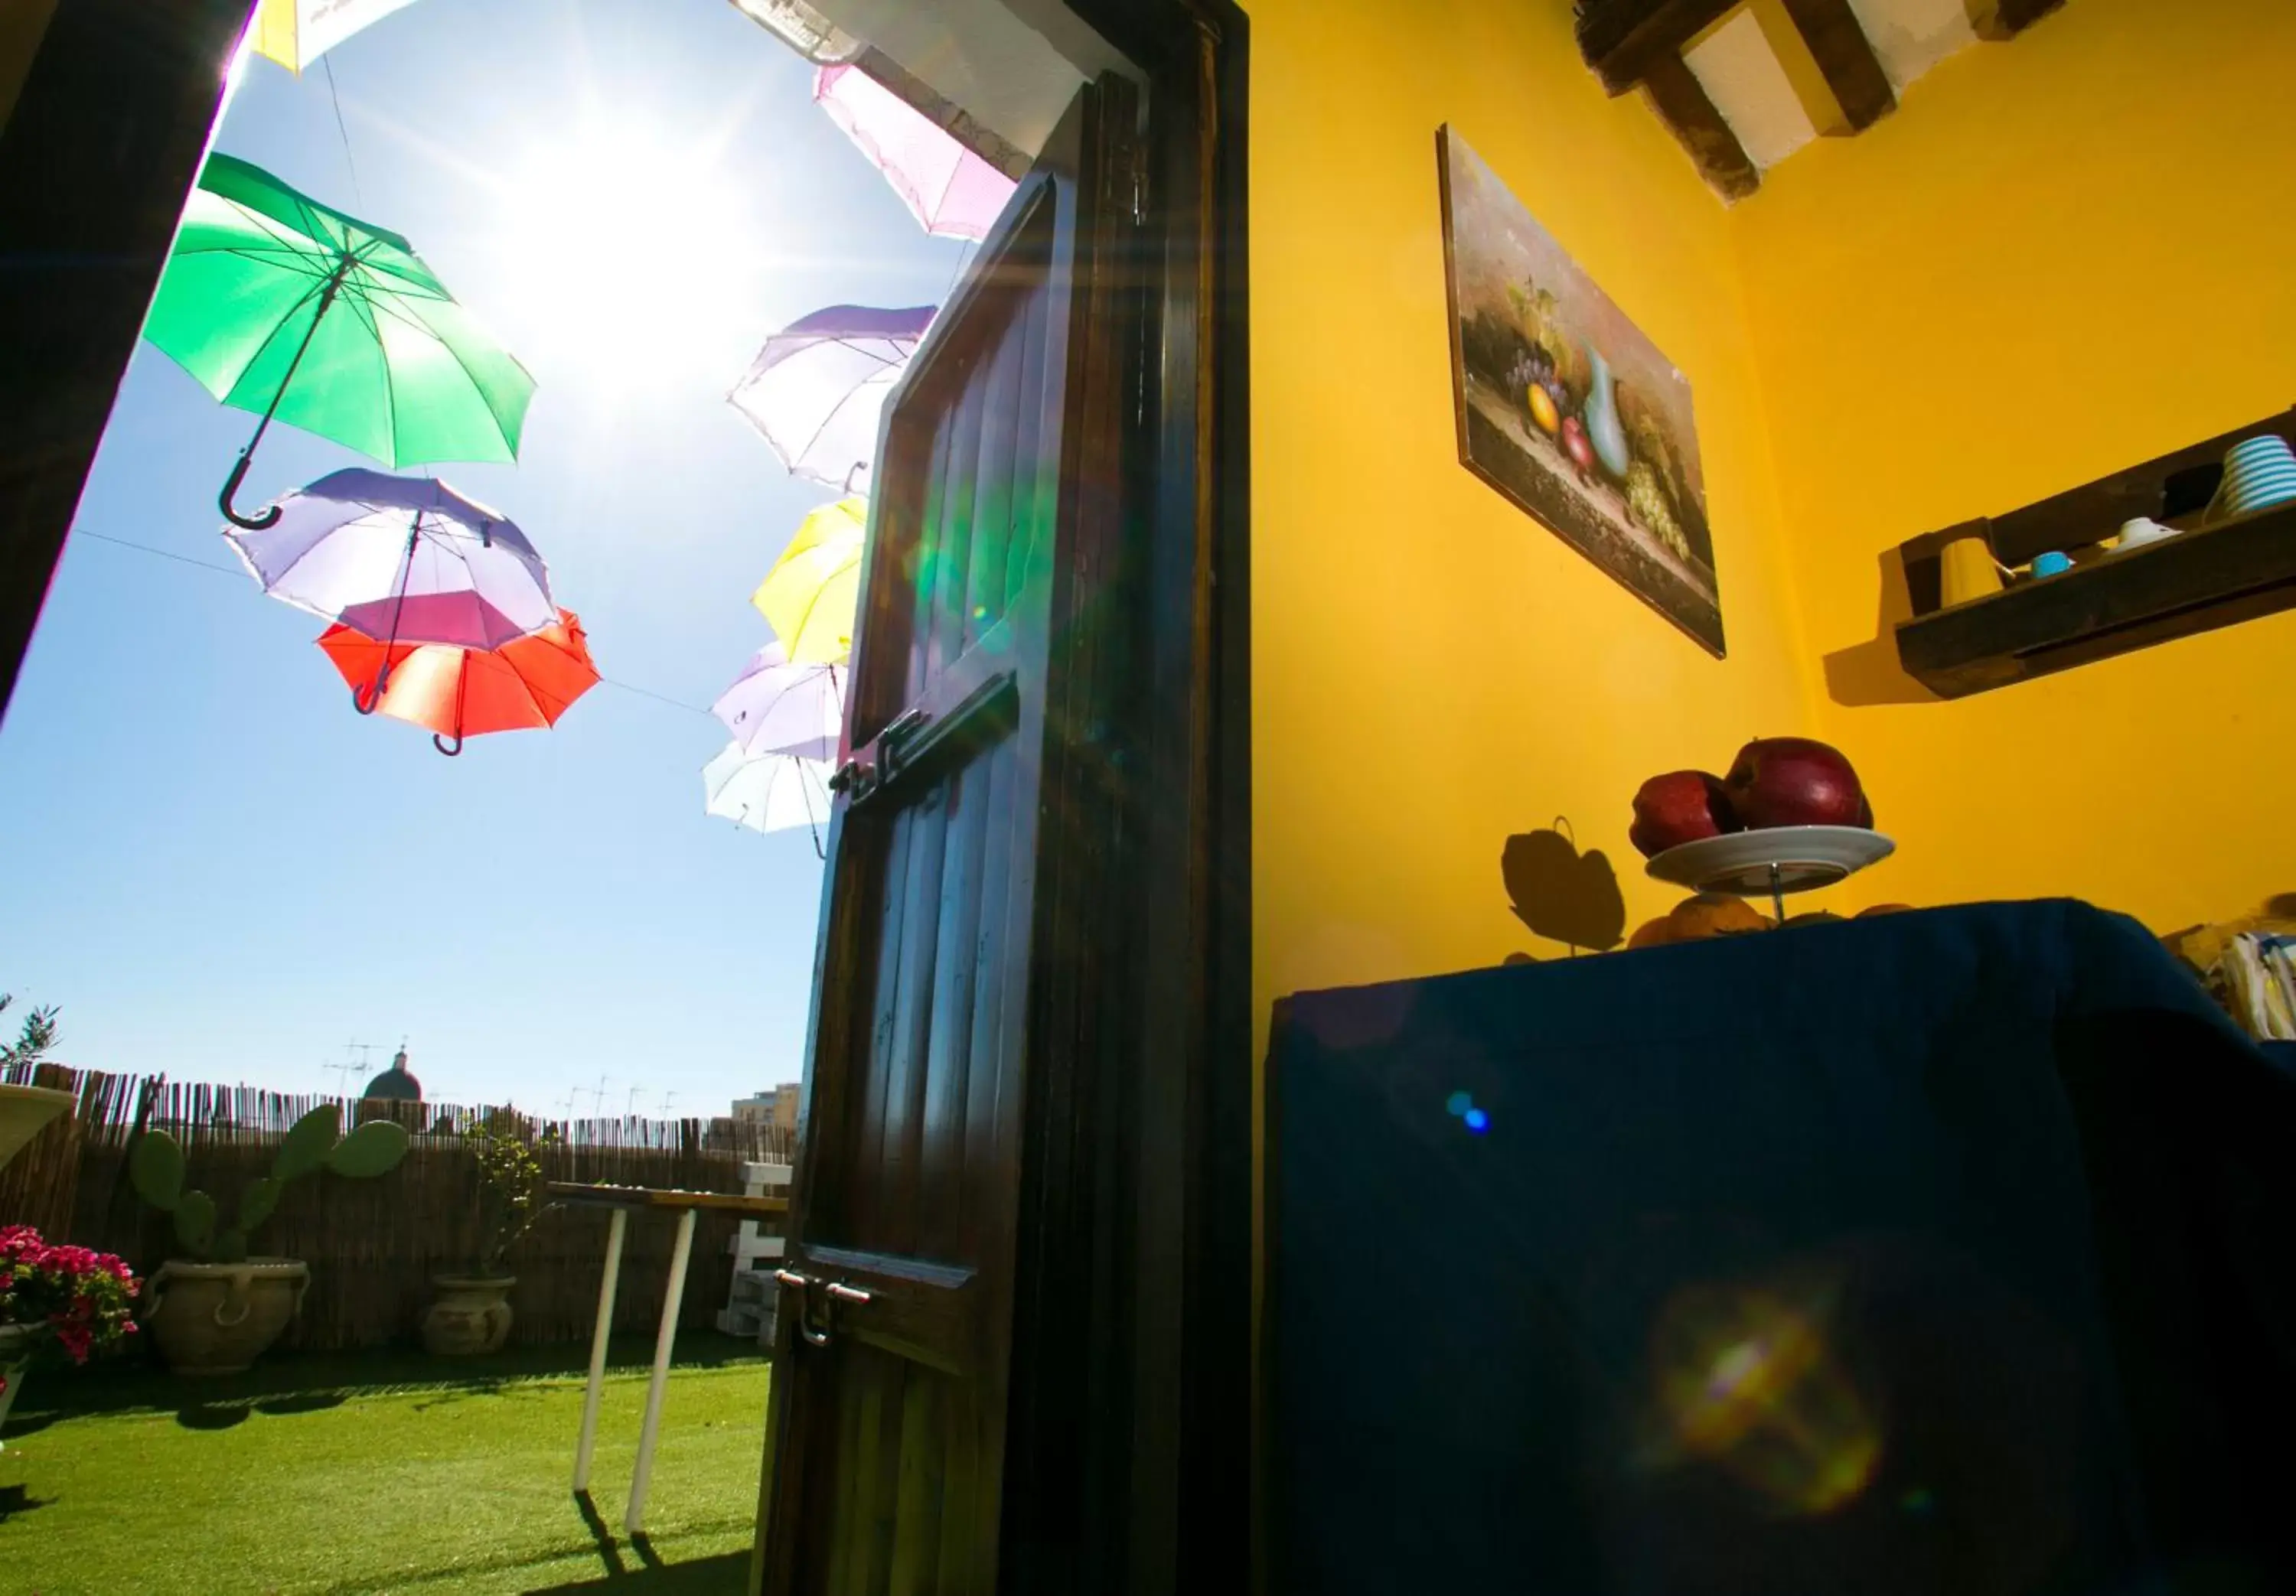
x: 360, y: 1473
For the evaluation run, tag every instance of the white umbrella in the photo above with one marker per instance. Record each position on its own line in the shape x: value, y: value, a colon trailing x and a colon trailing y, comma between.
x: 818, y: 386
x: 768, y: 792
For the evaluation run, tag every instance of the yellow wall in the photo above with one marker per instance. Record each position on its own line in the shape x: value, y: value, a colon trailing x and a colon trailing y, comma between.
x: 1433, y: 670
x: 2060, y: 256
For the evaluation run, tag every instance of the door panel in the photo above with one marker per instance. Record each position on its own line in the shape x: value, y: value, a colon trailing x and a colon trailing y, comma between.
x: 888, y: 1433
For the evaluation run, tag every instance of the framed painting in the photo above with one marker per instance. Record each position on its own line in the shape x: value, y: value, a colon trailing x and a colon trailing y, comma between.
x: 1566, y: 407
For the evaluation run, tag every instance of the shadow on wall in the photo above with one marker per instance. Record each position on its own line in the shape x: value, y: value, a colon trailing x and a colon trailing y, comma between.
x: 1561, y: 894
x: 1870, y: 673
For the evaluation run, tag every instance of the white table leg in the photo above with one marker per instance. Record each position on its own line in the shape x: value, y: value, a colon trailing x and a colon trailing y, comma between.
x: 598, y: 1334
x: 672, y: 1298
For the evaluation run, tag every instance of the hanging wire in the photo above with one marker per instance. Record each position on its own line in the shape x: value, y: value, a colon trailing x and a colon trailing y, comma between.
x: 229, y: 570
x: 343, y: 133
x: 145, y: 548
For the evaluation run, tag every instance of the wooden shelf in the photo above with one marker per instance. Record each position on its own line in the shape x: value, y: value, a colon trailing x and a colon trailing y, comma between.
x: 2195, y: 582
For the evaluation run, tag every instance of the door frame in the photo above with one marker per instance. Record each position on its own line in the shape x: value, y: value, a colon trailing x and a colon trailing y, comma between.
x: 97, y: 156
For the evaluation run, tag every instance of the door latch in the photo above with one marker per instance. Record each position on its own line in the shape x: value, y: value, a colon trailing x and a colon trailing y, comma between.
x: 832, y: 1293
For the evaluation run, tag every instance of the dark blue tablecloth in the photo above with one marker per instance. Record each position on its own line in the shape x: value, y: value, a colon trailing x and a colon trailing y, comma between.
x: 1944, y: 1252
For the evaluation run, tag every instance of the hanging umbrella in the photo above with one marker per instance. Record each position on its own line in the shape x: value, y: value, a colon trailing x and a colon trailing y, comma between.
x: 945, y: 186
x: 295, y: 33
x: 817, y: 389
x: 282, y: 306
x: 524, y: 685
x: 810, y: 596
x: 405, y: 560
x: 767, y: 792
x: 777, y: 708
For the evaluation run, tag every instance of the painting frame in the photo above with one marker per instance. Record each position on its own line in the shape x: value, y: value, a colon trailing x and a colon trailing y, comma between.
x: 1566, y: 408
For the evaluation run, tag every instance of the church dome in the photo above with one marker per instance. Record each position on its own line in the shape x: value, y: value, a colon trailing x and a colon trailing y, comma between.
x: 394, y: 1083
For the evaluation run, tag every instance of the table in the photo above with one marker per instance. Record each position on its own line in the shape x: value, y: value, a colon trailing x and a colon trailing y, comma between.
x: 622, y: 1201
x: 1973, y: 1225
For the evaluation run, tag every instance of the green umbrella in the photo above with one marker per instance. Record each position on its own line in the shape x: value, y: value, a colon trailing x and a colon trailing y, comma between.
x: 282, y: 306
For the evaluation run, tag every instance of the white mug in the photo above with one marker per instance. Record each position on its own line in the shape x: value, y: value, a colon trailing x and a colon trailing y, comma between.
x: 2136, y: 533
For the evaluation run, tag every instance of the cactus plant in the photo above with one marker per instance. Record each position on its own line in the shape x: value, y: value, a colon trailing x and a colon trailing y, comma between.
x: 155, y: 1167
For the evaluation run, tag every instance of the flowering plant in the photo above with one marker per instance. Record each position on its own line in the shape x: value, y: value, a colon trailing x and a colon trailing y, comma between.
x: 85, y: 1298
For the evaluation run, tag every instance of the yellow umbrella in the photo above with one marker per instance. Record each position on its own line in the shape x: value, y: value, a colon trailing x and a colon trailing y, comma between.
x: 295, y: 33
x: 811, y: 593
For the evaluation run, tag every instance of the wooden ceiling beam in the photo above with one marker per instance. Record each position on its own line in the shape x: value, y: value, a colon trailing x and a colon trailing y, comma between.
x: 1839, y: 44
x: 2010, y: 18
x: 1681, y: 104
x: 1625, y: 40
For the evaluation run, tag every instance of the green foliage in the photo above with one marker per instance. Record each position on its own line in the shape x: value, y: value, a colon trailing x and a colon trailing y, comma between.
x: 196, y: 1219
x: 257, y: 1202
x: 306, y: 1145
x: 374, y: 1149
x: 511, y: 1184
x: 33, y: 1042
x: 155, y: 1167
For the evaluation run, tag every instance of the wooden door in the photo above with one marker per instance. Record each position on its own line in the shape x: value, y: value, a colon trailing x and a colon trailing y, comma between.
x: 949, y: 992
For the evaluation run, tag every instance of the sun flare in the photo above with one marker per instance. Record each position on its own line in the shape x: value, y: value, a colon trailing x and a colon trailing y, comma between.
x: 634, y: 254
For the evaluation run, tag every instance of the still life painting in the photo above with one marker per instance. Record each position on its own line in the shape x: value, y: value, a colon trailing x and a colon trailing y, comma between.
x: 1566, y: 408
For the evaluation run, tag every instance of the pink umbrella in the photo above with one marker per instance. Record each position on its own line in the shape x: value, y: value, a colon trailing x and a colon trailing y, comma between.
x: 945, y: 186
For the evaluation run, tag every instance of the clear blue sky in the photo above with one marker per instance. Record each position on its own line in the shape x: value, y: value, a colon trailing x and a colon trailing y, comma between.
x: 215, y: 866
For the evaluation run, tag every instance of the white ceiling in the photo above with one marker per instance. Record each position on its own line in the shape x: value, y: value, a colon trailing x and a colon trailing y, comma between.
x: 1752, y: 63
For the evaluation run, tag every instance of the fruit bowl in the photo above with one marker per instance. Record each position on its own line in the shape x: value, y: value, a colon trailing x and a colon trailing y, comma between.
x: 1778, y: 860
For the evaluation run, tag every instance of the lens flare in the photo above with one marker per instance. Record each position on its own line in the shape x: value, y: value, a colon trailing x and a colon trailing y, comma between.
x: 1746, y: 1380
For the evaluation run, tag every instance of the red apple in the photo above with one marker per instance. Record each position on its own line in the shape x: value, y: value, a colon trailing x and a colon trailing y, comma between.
x: 1680, y: 806
x: 1795, y: 782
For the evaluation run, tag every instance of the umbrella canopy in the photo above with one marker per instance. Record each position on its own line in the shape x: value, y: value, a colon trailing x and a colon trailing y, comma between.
x: 777, y: 708
x: 402, y: 559
x: 765, y: 792
x: 524, y: 685
x: 950, y: 190
x: 290, y: 309
x: 819, y: 385
x: 811, y: 594
x: 295, y: 33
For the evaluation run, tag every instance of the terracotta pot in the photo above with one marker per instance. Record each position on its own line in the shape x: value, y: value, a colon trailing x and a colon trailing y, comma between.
x: 219, y: 1318
x: 471, y: 1315
x: 24, y: 1110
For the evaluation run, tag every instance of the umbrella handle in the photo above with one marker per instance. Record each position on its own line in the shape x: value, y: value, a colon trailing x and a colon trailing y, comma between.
x: 368, y: 699
x: 254, y: 523
x: 439, y: 743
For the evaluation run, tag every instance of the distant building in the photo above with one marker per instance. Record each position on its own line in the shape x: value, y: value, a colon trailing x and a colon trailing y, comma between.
x: 776, y: 1106
x: 394, y: 1083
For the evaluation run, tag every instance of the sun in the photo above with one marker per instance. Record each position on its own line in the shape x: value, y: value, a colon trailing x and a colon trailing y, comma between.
x: 634, y: 254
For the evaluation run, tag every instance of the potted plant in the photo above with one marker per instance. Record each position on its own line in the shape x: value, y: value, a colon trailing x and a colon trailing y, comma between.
x: 25, y: 1109
x: 215, y: 1311
x: 472, y: 1314
x: 81, y: 1301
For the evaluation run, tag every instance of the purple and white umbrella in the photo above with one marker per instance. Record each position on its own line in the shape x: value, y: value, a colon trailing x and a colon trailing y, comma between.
x: 945, y: 186
x: 777, y: 708
x: 818, y: 386
x: 405, y: 560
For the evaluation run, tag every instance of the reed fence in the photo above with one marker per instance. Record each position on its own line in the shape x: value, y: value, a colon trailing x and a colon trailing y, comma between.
x: 372, y: 1245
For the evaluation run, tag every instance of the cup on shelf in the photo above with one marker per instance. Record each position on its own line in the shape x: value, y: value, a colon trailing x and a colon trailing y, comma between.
x: 2258, y: 472
x: 2052, y: 564
x: 1967, y: 570
x: 2142, y: 529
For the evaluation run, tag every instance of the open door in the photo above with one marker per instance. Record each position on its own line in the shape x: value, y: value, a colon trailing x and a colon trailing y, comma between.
x: 954, y: 981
